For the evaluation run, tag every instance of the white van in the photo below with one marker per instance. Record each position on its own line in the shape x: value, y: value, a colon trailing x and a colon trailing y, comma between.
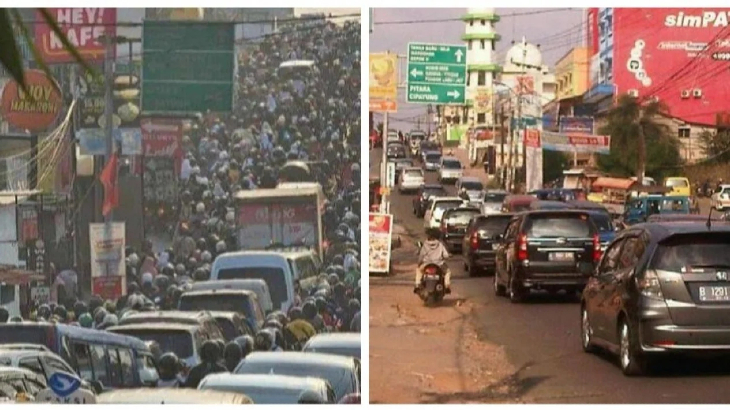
x: 281, y: 270
x: 257, y: 286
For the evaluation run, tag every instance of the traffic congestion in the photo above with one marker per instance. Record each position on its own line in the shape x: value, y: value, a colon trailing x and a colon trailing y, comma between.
x: 256, y: 297
x: 632, y: 273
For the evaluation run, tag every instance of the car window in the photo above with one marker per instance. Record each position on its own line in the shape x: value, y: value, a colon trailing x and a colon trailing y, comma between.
x: 33, y: 386
x: 56, y: 365
x: 83, y: 360
x: 494, y: 197
x: 611, y: 258
x: 433, y: 157
x: 413, y: 173
x: 115, y: 370
x: 676, y: 183
x: 125, y: 360
x: 558, y: 226
x: 32, y: 364
x: 492, y: 225
x: 460, y: 217
x: 632, y: 251
x: 98, y: 361
x: 602, y: 221
x: 472, y: 185
x: 686, y: 253
x: 451, y: 164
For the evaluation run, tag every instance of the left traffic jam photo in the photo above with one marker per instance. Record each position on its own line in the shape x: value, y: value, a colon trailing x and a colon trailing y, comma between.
x: 180, y: 205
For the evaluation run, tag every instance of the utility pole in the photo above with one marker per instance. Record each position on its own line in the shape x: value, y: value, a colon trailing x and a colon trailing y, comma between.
x: 109, y: 105
x: 641, y: 149
x: 502, y: 137
x: 519, y: 113
x: 429, y: 112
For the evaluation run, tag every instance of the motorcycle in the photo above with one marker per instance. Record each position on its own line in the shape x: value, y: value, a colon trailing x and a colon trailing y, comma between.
x: 433, y: 287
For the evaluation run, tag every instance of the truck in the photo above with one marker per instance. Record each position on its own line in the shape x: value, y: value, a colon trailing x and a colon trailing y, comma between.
x: 286, y: 216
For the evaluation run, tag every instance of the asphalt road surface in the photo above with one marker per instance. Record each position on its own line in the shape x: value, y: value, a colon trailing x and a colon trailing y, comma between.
x: 541, y: 339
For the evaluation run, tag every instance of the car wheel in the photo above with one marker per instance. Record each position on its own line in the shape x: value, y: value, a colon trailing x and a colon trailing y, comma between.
x: 516, y: 292
x: 631, y: 361
x: 499, y: 290
x: 473, y: 270
x: 586, y: 332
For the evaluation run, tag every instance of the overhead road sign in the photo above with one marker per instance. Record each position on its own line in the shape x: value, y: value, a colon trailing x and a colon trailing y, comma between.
x: 436, y: 74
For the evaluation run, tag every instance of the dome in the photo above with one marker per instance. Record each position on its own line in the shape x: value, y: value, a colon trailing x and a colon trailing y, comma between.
x: 480, y: 11
x: 515, y: 55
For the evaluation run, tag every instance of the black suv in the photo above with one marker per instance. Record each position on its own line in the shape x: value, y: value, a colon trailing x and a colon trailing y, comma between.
x: 478, y: 244
x: 453, y: 226
x: 421, y: 199
x: 550, y: 250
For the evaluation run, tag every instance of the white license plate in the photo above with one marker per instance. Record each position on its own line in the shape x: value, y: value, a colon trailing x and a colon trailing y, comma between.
x: 561, y: 256
x: 714, y: 293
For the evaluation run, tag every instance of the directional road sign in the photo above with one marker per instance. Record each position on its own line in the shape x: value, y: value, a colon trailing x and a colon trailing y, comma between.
x: 436, y: 74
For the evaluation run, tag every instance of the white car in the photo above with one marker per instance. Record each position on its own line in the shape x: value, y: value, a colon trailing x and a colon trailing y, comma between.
x: 492, y: 201
x: 410, y: 179
x: 450, y: 169
x: 721, y: 197
x: 439, y: 205
x: 473, y: 187
x: 431, y: 160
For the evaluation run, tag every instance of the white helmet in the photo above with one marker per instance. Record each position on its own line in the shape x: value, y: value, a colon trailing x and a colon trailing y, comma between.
x: 200, y: 208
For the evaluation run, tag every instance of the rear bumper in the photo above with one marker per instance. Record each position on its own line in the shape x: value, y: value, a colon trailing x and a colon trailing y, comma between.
x: 410, y: 186
x: 453, y: 239
x: 482, y: 259
x: 534, y: 278
x: 659, y: 334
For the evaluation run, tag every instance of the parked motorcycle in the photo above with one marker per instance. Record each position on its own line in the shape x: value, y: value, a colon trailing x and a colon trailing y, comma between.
x: 433, y: 286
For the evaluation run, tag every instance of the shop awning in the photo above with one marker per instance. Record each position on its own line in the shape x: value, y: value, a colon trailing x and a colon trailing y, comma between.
x: 613, y: 183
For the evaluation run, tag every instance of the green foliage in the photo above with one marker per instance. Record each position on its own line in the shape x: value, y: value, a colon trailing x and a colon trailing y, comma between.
x: 553, y: 164
x: 716, y: 146
x: 662, y: 148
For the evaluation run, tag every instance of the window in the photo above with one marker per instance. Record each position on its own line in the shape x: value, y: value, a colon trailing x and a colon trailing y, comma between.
x: 32, y: 364
x: 56, y: 365
x: 610, y: 260
x: 483, y: 22
x: 115, y: 370
x: 481, y: 78
x: 7, y: 294
x: 469, y: 44
x: 125, y: 359
x: 683, y: 132
x: 98, y: 361
x: 471, y: 23
x: 83, y: 360
x: 33, y: 386
x: 483, y: 45
x: 481, y: 118
x: 633, y: 251
x: 493, y: 46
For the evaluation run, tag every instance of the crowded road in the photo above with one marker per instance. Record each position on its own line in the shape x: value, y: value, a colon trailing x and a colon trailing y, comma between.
x: 540, y: 338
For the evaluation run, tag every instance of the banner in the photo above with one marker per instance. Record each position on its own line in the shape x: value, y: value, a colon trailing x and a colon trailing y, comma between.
x: 108, y: 270
x: 82, y: 27
x: 532, y: 138
x: 35, y: 112
x: 483, y: 100
x: 161, y: 137
x: 381, y: 231
x: 576, y: 125
x: 91, y: 92
x: 383, y: 82
x: 569, y: 142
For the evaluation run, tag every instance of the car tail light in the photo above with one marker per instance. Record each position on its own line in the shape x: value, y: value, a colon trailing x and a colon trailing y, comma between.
x: 522, y: 248
x: 596, y: 248
x: 649, y: 285
x: 431, y: 270
x: 474, y: 240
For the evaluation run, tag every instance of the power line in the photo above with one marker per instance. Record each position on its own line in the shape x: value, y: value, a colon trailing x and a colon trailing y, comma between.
x: 427, y: 21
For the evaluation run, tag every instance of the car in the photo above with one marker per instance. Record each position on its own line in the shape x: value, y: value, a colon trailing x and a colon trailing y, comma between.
x: 269, y: 388
x: 410, y: 180
x: 721, y: 197
x: 401, y: 164
x: 474, y: 188
x: 554, y: 194
x: 343, y: 373
x: 679, y: 186
x: 416, y: 137
x: 491, y: 201
x: 479, y: 241
x: 428, y: 145
x: 199, y: 317
x: 393, y: 136
x: 667, y: 284
x: 257, y: 286
x: 425, y: 192
x: 171, y: 396
x: 184, y: 340
x: 540, y: 204
x: 517, y: 203
x: 453, y: 226
x: 232, y: 324
x: 17, y: 382
x: 450, y: 169
x: 242, y: 301
x: 546, y: 250
x: 438, y: 205
x: 341, y: 344
x: 395, y: 150
x: 431, y: 160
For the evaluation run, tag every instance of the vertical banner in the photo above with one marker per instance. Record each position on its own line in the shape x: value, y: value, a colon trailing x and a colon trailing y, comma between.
x: 483, y: 100
x: 82, y: 27
x: 381, y: 231
x: 383, y: 82
x: 108, y: 271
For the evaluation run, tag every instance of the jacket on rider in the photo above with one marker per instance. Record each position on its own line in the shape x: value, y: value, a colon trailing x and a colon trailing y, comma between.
x: 433, y: 251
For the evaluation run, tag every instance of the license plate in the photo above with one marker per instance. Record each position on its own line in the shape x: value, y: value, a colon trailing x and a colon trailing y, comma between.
x: 488, y: 247
x: 714, y: 293
x: 561, y: 256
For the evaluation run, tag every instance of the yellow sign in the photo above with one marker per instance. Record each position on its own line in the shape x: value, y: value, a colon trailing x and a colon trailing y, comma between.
x: 483, y: 100
x: 383, y: 76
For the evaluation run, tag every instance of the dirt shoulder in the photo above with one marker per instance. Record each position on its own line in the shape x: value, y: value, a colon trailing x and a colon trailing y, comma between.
x: 429, y: 355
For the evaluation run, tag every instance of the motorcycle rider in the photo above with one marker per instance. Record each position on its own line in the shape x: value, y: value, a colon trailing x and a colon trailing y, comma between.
x: 433, y: 252
x: 210, y: 355
x: 169, y: 365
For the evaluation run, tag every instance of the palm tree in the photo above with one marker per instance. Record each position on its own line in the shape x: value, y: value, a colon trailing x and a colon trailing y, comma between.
x: 631, y: 124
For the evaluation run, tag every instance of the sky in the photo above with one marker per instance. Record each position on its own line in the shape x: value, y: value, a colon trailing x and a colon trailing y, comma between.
x: 556, y: 31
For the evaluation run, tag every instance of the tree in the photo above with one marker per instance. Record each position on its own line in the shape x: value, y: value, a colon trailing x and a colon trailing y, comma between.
x: 716, y: 147
x: 633, y: 127
x: 553, y: 164
x: 10, y: 56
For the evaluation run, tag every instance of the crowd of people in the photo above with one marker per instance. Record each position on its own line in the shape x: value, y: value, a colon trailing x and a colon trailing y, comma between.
x: 310, y: 115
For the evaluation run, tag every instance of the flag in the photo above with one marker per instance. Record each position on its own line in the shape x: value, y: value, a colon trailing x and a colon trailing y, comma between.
x: 108, y: 178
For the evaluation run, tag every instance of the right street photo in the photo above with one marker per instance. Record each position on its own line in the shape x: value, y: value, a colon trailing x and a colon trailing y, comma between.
x: 548, y: 206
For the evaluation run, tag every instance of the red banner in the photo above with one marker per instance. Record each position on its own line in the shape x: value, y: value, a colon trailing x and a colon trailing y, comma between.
x: 161, y: 137
x: 108, y: 287
x: 82, y: 27
x: 532, y: 138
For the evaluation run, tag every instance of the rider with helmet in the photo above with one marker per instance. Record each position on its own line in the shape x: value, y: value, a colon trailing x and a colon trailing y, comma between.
x: 433, y: 252
x: 210, y: 355
x: 170, y: 367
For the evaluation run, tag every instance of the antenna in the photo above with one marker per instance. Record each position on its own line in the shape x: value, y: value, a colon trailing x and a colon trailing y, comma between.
x: 709, y: 220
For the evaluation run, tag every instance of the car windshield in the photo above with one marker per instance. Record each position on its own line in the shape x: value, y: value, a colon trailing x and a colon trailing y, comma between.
x: 492, y: 197
x: 442, y: 206
x: 472, y: 185
x: 673, y: 205
x: 434, y: 191
x: 274, y: 278
x: 413, y: 173
x: 170, y: 340
x: 461, y: 217
x: 678, y: 183
x: 698, y: 250
x: 558, y: 226
x: 433, y: 157
x: 339, y: 351
x: 212, y: 301
x: 602, y: 221
x: 262, y: 395
x: 337, y: 376
x: 227, y: 328
x: 451, y: 164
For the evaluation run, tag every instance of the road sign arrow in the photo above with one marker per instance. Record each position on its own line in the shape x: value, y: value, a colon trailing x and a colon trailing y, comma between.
x: 416, y: 73
x: 454, y: 94
x: 458, y: 55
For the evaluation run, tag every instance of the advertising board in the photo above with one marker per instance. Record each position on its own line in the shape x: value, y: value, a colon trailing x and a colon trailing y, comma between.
x: 572, y: 142
x: 108, y: 270
x: 82, y: 27
x: 34, y: 112
x: 679, y: 55
x: 381, y: 230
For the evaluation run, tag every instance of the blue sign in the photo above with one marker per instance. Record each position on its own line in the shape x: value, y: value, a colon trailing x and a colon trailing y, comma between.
x: 92, y: 141
x: 63, y: 384
x: 576, y: 125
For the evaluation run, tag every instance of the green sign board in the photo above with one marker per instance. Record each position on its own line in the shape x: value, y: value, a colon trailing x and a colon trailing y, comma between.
x: 436, y: 74
x: 187, y: 67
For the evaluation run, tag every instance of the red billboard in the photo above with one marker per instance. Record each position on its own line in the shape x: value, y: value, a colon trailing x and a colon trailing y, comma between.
x: 679, y: 55
x: 82, y: 27
x: 592, y: 30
